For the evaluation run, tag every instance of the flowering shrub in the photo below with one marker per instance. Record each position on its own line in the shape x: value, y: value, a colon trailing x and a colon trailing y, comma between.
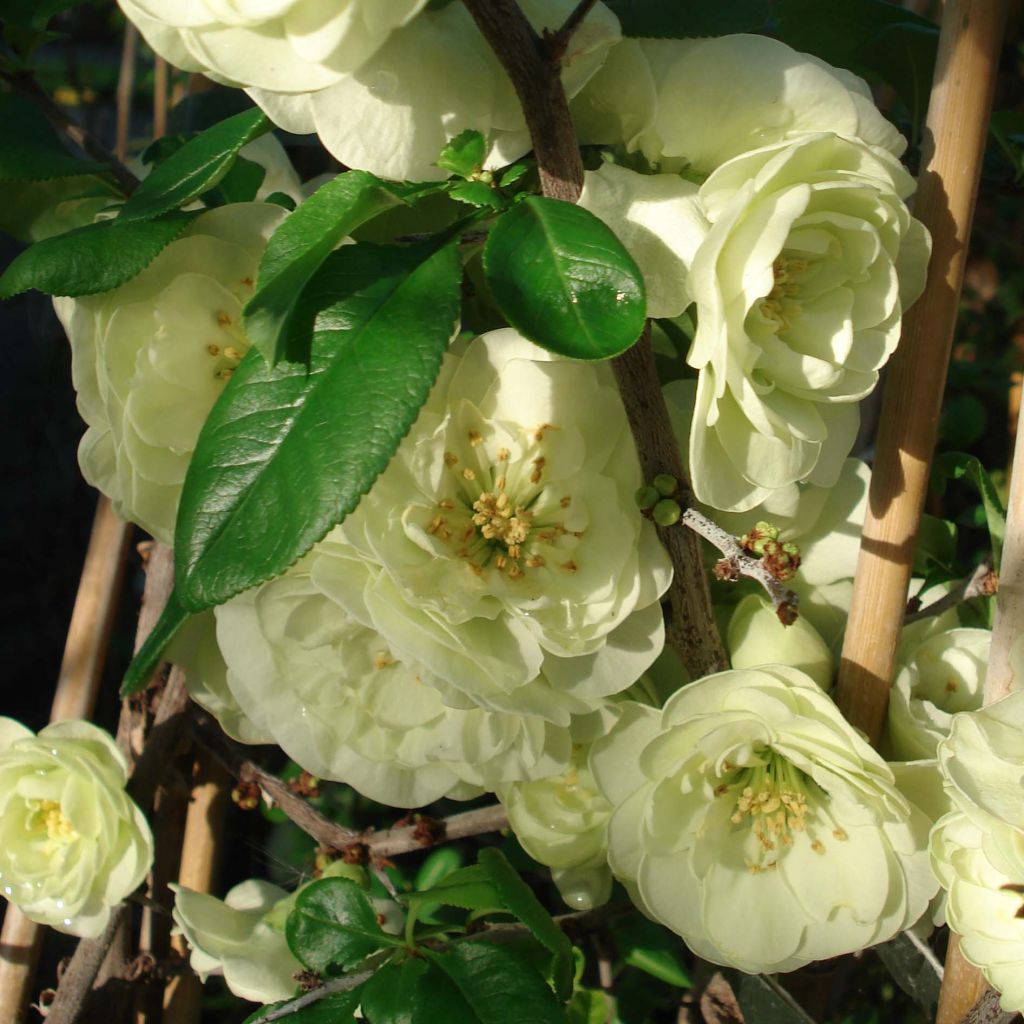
x: 74, y: 844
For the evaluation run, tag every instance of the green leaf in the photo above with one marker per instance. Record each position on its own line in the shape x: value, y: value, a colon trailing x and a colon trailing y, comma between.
x: 415, y: 992
x: 150, y: 654
x: 562, y: 278
x: 468, y: 888
x: 651, y: 949
x: 678, y: 19
x: 870, y: 37
x: 288, y: 451
x: 589, y: 1006
x: 1007, y: 128
x: 498, y: 986
x: 300, y: 245
x: 764, y: 1000
x: 518, y: 897
x: 477, y: 193
x: 464, y: 155
x: 91, y: 259
x: 337, y: 1008
x: 333, y: 924
x: 239, y: 185
x: 441, y: 863
x: 30, y: 150
x: 960, y: 466
x: 936, y: 545
x: 195, y: 167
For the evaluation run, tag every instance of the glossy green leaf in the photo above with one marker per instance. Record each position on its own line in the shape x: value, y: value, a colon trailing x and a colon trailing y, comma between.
x: 239, y: 185
x: 678, y: 19
x: 468, y: 888
x: 589, y: 1006
x: 288, y: 451
x: 497, y: 984
x: 936, y: 546
x: 30, y: 149
x: 960, y: 466
x: 91, y: 259
x: 464, y: 155
x: 337, y: 1008
x: 298, y: 248
x: 518, y: 897
x: 477, y: 193
x: 441, y: 863
x: 652, y: 949
x: 195, y: 167
x: 148, y: 657
x: 414, y: 992
x: 333, y: 924
x: 562, y: 278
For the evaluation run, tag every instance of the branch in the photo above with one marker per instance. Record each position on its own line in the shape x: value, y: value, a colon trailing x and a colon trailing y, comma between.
x: 376, y: 845
x: 26, y: 86
x: 983, y: 582
x: 738, y: 563
x: 558, y: 42
x: 536, y: 75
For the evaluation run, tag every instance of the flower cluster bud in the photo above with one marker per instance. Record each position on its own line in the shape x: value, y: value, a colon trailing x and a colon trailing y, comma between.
x: 754, y: 541
x: 781, y: 559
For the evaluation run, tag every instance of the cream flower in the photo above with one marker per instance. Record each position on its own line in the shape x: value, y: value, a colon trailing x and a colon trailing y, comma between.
x: 288, y: 45
x: 72, y: 843
x: 333, y: 695
x: 150, y: 358
x: 935, y: 678
x: 696, y: 103
x: 978, y: 849
x: 238, y: 938
x: 752, y: 820
x: 394, y: 115
x: 561, y: 821
x: 503, y: 542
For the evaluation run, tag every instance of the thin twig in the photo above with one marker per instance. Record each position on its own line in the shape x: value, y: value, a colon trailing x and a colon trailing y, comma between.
x: 376, y: 845
x: 558, y: 41
x: 536, y: 75
x: 739, y: 563
x: 983, y: 582
x: 26, y: 85
x: 987, y: 1011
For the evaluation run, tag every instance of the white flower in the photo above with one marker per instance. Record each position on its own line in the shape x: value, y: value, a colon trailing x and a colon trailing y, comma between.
x: 288, y: 45
x: 433, y: 79
x: 696, y: 103
x: 752, y: 820
x: 935, y: 678
x: 978, y: 848
x: 333, y: 695
x: 234, y: 937
x: 72, y: 843
x: 503, y: 542
x: 561, y: 821
x: 806, y: 262
x: 150, y: 358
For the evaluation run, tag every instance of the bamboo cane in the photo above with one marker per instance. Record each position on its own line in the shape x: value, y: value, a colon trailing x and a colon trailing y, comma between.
x: 75, y: 697
x: 200, y: 856
x: 955, y: 133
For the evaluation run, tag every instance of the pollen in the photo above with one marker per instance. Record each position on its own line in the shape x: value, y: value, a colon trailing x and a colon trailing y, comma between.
x: 538, y: 468
x: 469, y: 474
x: 214, y: 350
x: 223, y: 319
x: 566, y: 501
x: 382, y: 659
x: 475, y: 438
x: 503, y: 455
x: 450, y: 459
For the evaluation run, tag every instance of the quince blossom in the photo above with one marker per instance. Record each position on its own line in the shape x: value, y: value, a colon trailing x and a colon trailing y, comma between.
x: 750, y: 790
x: 72, y: 843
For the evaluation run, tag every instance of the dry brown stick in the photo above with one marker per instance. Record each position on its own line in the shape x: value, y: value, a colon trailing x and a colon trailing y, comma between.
x: 126, y: 89
x: 24, y: 84
x: 535, y: 74
x: 955, y: 135
x: 983, y: 582
x: 200, y: 859
x: 77, y: 685
x: 161, y: 86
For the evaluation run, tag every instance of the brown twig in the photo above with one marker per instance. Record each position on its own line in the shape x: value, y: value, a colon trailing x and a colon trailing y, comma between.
x: 25, y: 85
x: 535, y: 74
x: 126, y: 89
x: 377, y: 845
x: 558, y: 41
x: 983, y: 582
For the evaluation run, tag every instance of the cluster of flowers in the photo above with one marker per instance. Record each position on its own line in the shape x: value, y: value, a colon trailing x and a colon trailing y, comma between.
x: 488, y: 618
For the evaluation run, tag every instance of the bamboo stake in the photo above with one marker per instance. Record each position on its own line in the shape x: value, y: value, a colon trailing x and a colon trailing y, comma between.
x: 75, y: 697
x: 200, y: 857
x: 125, y: 88
x: 955, y: 133
x: 160, y: 88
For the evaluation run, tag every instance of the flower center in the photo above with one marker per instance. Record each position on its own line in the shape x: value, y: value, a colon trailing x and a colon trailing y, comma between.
x: 772, y: 799
x: 498, y: 513
x: 229, y: 345
x: 779, y: 306
x: 46, y: 815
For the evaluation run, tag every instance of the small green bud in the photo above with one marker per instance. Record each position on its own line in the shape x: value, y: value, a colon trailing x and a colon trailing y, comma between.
x: 666, y: 484
x: 647, y: 497
x: 754, y: 542
x: 667, y: 512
